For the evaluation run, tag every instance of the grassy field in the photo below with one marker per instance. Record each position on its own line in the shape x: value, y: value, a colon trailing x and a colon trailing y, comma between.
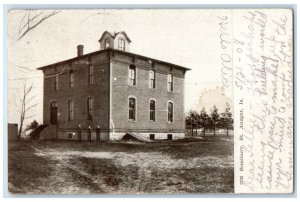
x: 178, y: 167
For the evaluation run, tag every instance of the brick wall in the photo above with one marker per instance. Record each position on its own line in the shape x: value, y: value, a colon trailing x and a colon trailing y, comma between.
x: 81, y: 91
x: 121, y: 92
x: 110, y: 93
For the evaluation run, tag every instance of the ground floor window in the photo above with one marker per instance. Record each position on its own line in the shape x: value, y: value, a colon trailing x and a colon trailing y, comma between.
x: 132, y: 108
x: 170, y: 111
x: 90, y: 109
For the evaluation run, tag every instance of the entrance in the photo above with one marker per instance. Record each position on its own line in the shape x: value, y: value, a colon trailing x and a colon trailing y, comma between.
x: 53, y: 113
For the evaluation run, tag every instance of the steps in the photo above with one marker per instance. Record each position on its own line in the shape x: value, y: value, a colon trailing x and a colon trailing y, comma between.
x: 35, y: 134
x: 49, y: 133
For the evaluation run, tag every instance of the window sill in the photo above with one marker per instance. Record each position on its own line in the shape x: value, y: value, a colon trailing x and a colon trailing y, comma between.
x: 131, y: 120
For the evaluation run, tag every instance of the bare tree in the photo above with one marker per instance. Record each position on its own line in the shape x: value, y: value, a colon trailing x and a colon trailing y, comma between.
x: 31, y: 19
x: 26, y: 107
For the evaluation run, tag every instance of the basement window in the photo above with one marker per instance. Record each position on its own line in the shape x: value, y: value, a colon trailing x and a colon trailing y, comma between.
x: 152, y: 136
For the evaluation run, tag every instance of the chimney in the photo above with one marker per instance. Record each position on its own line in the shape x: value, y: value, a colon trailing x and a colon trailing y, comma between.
x: 79, y: 50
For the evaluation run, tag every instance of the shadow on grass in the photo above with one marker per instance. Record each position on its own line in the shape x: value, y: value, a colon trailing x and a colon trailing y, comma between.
x: 27, y: 173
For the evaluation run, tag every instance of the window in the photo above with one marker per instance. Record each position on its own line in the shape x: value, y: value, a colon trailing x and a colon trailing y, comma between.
x: 70, y: 135
x: 70, y: 110
x: 132, y: 75
x: 132, y: 109
x: 90, y: 109
x: 170, y: 111
x: 152, y: 136
x: 71, y: 79
x: 170, y: 82
x: 152, y: 78
x: 152, y: 110
x: 53, y: 113
x: 107, y: 45
x: 54, y: 104
x: 170, y: 136
x: 121, y: 44
x: 90, y: 74
x: 56, y: 82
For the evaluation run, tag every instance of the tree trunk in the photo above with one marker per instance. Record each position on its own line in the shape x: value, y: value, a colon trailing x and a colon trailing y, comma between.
x: 214, y: 130
x: 227, y: 132
x: 204, y: 132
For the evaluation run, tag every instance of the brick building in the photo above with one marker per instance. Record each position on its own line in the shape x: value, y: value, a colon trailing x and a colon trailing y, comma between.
x: 118, y: 91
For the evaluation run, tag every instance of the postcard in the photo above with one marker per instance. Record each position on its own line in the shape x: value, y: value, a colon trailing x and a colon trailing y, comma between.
x: 150, y: 101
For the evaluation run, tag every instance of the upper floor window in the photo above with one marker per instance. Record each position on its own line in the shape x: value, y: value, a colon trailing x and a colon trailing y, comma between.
x: 152, y: 110
x: 71, y: 79
x: 170, y: 111
x: 170, y: 82
x: 107, y: 45
x: 70, y: 110
x: 152, y: 76
x: 56, y: 82
x: 132, y: 107
x: 90, y: 74
x: 121, y: 45
x: 132, y: 75
x: 90, y: 109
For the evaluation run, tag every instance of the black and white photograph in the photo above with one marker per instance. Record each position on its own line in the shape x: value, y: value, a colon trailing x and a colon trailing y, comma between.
x: 149, y: 101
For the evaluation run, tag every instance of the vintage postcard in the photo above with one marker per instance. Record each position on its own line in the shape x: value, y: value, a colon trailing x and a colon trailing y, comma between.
x: 150, y: 101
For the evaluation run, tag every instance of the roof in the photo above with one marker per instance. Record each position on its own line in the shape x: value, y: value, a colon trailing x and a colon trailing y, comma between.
x: 117, y: 51
x: 114, y: 35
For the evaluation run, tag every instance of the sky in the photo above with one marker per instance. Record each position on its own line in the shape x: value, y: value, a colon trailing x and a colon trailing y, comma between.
x: 188, y: 38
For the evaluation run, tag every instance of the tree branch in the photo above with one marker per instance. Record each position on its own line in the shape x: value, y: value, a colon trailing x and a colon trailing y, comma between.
x: 30, y: 20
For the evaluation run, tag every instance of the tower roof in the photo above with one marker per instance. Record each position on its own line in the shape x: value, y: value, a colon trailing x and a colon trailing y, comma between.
x: 114, y: 35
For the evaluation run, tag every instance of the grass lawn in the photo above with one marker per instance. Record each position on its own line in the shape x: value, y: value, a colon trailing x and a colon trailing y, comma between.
x: 177, y: 167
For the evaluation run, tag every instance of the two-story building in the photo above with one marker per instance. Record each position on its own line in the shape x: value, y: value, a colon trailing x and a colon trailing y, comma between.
x: 118, y: 91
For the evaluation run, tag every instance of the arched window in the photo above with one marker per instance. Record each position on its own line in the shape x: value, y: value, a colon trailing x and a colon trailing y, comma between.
x: 132, y: 75
x: 170, y: 82
x: 121, y: 45
x: 70, y: 110
x: 170, y: 111
x: 152, y: 110
x: 71, y: 79
x: 152, y: 76
x: 107, y: 44
x: 54, y: 104
x: 132, y: 108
